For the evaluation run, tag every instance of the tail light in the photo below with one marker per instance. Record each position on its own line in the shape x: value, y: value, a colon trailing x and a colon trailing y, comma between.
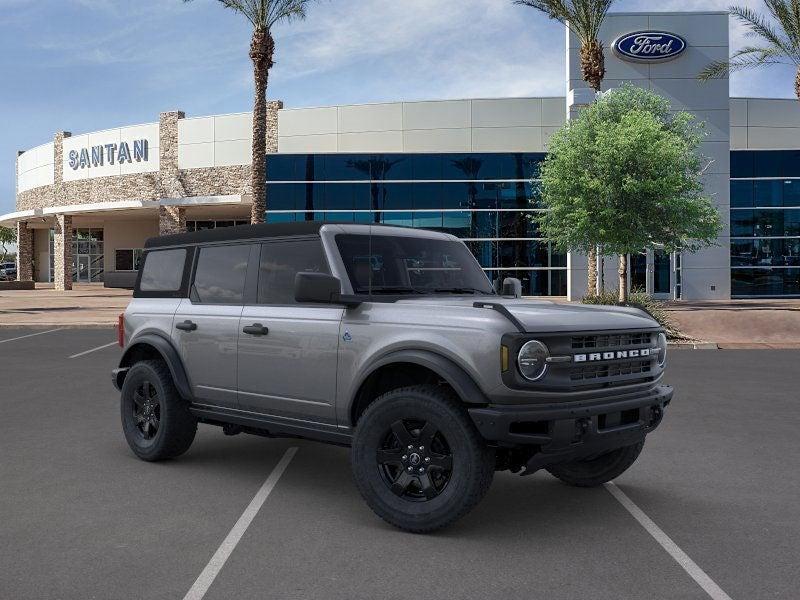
x: 121, y: 330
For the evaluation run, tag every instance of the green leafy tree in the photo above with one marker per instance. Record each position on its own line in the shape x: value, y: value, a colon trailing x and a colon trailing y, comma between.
x: 626, y: 175
x: 263, y: 15
x: 778, y: 40
x: 584, y: 19
x: 8, y: 236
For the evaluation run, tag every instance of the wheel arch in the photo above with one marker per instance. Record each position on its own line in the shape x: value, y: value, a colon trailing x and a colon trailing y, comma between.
x: 394, y: 370
x: 153, y: 346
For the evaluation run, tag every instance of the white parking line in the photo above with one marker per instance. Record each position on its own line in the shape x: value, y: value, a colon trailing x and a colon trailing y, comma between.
x: 22, y: 337
x: 688, y: 565
x: 217, y: 561
x: 84, y: 353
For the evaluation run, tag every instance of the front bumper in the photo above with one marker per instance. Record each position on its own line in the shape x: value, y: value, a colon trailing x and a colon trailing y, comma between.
x: 563, y: 433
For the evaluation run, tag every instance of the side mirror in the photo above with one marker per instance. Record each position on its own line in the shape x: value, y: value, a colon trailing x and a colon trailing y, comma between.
x: 320, y: 288
x: 512, y: 287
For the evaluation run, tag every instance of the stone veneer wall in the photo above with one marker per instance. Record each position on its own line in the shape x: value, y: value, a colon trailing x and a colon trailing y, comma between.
x: 62, y: 250
x: 169, y: 182
x: 24, y: 248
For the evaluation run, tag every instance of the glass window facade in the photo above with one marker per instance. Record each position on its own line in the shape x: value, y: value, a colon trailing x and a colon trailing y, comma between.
x: 765, y: 223
x: 485, y: 199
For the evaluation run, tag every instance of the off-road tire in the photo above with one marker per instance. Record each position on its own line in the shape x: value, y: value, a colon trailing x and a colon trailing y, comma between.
x: 599, y: 470
x: 176, y: 425
x: 472, y: 461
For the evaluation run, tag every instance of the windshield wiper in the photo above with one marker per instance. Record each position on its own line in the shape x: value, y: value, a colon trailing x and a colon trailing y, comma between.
x: 390, y: 289
x: 460, y: 290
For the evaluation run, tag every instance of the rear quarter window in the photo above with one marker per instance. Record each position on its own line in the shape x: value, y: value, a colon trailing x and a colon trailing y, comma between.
x: 163, y: 271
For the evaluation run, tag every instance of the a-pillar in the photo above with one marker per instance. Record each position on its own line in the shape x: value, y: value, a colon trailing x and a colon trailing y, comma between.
x: 62, y: 253
x: 171, y: 219
x: 24, y: 252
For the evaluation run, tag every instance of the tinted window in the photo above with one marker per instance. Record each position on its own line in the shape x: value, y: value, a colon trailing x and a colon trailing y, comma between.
x: 220, y: 274
x: 163, y: 271
x: 280, y: 262
x: 388, y: 264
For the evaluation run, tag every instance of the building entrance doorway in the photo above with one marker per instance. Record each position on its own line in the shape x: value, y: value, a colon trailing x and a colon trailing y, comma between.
x: 653, y: 272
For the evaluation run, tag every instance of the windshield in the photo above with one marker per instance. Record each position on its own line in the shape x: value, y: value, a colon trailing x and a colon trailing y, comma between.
x: 387, y: 264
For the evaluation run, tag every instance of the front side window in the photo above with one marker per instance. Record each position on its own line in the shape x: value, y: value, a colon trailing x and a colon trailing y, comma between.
x: 386, y: 264
x: 220, y: 274
x: 163, y: 270
x: 281, y: 261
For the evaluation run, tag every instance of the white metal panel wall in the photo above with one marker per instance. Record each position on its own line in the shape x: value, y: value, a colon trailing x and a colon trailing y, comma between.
x: 706, y: 275
x: 215, y: 141
x: 483, y: 125
x: 87, y: 141
x: 765, y: 124
x: 35, y: 167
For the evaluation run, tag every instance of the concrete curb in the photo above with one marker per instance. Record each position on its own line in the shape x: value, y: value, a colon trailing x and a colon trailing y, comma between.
x: 694, y: 345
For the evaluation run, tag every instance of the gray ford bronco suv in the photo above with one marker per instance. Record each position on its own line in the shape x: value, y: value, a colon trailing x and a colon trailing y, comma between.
x: 391, y: 341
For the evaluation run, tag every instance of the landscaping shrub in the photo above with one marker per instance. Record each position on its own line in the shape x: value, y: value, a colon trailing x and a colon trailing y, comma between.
x: 639, y: 299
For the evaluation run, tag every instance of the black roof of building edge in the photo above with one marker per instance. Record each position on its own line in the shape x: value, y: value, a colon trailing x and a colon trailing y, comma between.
x: 239, y: 232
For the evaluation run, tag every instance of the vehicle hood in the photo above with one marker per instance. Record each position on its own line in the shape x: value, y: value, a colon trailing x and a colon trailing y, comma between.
x: 541, y: 316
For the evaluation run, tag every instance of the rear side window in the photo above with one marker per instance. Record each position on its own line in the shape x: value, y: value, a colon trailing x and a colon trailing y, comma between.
x: 281, y: 261
x: 220, y: 274
x: 163, y: 270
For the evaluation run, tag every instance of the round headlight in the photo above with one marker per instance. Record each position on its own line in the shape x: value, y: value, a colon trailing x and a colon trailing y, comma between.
x: 662, y: 349
x: 532, y: 360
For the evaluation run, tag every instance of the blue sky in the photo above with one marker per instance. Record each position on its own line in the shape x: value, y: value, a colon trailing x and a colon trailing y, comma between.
x: 84, y: 65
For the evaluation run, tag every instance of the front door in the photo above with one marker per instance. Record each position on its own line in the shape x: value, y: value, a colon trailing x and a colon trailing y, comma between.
x: 288, y: 351
x: 662, y: 271
x: 83, y: 269
x: 206, y: 325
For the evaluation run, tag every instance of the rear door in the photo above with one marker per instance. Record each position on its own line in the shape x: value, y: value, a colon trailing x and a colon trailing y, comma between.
x: 288, y: 351
x: 206, y: 325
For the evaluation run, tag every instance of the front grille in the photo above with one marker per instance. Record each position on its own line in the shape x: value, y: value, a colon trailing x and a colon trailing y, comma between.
x: 610, y: 340
x: 609, y: 371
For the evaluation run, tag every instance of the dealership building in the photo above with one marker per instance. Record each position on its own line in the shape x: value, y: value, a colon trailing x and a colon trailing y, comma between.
x: 85, y: 204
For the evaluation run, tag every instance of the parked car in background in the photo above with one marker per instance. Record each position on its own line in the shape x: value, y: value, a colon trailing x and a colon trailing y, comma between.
x: 8, y: 271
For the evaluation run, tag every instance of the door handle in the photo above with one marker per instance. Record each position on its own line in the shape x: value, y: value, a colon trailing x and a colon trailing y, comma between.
x: 255, y: 329
x: 186, y: 326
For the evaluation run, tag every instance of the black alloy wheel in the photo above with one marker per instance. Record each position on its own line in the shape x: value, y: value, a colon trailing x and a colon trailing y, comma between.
x: 415, y: 460
x: 156, y: 421
x: 418, y: 460
x: 147, y: 409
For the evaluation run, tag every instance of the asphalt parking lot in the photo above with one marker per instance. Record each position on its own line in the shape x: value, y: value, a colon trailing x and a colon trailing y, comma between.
x: 80, y: 517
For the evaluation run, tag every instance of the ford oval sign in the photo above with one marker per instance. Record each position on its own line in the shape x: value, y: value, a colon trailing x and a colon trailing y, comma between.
x: 649, y: 46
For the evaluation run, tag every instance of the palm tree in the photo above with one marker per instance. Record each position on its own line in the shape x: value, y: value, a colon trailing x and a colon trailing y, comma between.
x: 584, y: 19
x: 780, y: 42
x: 263, y: 15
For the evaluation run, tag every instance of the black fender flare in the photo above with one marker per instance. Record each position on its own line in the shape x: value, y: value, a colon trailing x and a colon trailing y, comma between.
x: 463, y: 384
x: 169, y: 355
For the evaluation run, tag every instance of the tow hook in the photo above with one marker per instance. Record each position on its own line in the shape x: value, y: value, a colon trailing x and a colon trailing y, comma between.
x: 656, y: 414
x: 581, y: 427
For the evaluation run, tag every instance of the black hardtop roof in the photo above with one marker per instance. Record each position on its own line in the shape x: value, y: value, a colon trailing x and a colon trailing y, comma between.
x: 239, y: 232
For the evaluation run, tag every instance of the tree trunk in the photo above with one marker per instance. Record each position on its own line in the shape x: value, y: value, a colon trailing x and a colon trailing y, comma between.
x: 262, y: 48
x: 593, y: 70
x: 601, y: 276
x: 593, y: 64
x: 623, y: 278
x: 797, y: 84
x: 591, y: 279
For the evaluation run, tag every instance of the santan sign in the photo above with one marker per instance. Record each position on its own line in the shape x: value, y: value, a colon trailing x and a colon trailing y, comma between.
x: 649, y: 46
x: 97, y: 156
